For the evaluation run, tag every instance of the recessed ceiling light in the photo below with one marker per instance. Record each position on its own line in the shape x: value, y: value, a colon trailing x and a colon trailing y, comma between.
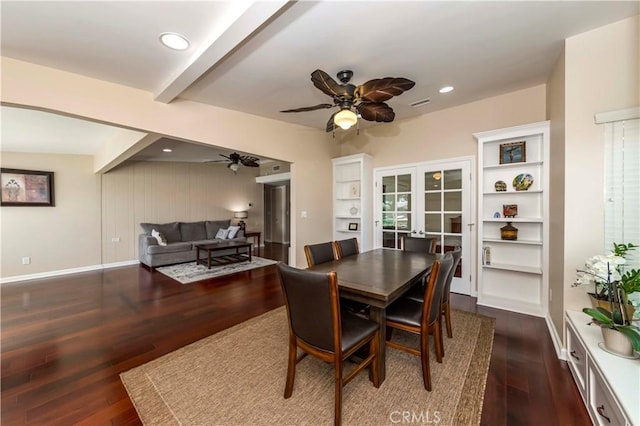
x: 446, y: 89
x: 167, y: 150
x: 174, y: 41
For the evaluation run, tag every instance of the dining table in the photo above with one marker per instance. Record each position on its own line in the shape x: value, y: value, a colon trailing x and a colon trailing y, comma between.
x: 378, y: 277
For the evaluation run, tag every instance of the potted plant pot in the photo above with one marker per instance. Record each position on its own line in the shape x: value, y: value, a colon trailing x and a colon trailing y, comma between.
x: 595, y: 302
x: 616, y: 342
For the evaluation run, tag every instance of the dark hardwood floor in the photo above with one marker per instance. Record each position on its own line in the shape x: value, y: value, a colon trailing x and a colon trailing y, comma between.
x: 66, y: 339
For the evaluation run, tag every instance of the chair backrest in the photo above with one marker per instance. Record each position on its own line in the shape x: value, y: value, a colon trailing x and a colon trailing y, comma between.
x: 434, y: 289
x: 419, y: 245
x: 346, y: 248
x: 313, y: 307
x: 319, y: 253
x: 456, y: 254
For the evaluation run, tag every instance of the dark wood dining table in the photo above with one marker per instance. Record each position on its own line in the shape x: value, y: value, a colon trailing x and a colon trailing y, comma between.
x: 377, y: 278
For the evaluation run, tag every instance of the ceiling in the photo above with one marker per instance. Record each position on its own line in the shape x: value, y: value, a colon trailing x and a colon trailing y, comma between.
x: 257, y: 57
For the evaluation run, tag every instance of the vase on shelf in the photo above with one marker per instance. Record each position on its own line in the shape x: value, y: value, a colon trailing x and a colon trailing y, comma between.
x: 509, y: 232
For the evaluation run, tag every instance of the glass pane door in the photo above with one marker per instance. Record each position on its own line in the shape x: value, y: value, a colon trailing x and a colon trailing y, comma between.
x: 446, y: 201
x: 397, y: 206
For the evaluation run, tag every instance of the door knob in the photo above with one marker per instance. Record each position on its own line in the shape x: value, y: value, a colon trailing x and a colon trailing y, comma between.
x: 420, y: 232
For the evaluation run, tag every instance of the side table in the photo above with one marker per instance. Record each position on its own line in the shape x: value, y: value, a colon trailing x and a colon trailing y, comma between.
x: 256, y: 235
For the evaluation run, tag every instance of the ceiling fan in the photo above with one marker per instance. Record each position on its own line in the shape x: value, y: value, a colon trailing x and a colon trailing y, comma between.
x: 367, y: 100
x: 236, y: 159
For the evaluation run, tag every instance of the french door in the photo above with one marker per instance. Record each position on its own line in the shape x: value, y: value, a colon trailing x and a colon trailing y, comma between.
x: 427, y: 200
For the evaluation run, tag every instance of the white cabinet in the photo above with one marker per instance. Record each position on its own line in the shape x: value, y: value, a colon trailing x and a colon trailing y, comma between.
x: 515, y: 278
x: 352, y: 192
x: 609, y: 385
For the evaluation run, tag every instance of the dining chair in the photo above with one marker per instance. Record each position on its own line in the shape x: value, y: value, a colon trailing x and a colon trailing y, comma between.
x: 419, y: 245
x: 324, y: 252
x: 319, y: 328
x: 347, y: 247
x: 319, y: 253
x: 422, y: 318
x: 456, y: 254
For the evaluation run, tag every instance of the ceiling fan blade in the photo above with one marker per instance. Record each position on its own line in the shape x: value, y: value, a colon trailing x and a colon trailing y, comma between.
x: 383, y: 89
x: 328, y: 85
x: 376, y: 111
x: 331, y: 126
x: 309, y: 108
x: 249, y: 161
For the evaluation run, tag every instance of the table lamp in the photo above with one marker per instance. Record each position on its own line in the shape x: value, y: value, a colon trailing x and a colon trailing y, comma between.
x: 241, y: 215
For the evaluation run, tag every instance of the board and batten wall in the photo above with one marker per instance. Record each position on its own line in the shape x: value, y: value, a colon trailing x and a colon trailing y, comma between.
x: 161, y: 192
x: 64, y: 237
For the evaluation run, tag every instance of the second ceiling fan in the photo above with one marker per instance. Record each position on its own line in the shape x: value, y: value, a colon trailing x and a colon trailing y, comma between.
x: 236, y: 159
x: 367, y: 100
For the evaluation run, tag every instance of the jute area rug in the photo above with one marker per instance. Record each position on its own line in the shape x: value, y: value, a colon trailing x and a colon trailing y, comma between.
x: 186, y: 273
x: 237, y: 377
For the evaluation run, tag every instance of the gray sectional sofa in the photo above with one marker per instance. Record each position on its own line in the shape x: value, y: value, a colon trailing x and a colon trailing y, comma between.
x: 181, y: 239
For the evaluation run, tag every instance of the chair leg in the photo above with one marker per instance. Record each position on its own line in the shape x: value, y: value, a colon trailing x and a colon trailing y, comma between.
x: 437, y: 341
x: 291, y: 367
x: 337, y: 419
x: 447, y: 317
x: 424, y: 357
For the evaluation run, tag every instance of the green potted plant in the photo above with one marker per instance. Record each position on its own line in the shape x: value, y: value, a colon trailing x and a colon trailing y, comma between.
x: 613, y: 285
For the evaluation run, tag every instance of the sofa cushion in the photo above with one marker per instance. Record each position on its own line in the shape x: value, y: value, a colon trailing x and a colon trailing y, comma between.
x: 171, y: 231
x: 159, y: 236
x: 233, y: 231
x: 191, y: 231
x: 169, y: 248
x: 212, y: 227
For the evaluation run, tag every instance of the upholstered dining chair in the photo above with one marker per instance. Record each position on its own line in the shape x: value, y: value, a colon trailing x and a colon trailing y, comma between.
x: 422, y: 318
x: 324, y: 252
x: 319, y: 253
x: 319, y: 328
x: 419, y: 245
x: 347, y: 247
x: 456, y: 254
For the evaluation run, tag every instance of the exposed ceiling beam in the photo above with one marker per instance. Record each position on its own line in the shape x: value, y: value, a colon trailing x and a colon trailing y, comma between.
x: 251, y: 20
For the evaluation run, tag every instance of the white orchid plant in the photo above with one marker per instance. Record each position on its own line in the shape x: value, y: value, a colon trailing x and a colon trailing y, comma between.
x: 614, y: 284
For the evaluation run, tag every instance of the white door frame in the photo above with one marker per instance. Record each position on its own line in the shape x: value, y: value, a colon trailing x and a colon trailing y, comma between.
x: 469, y: 219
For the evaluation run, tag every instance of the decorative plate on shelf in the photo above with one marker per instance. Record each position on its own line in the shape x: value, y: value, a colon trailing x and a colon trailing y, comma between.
x: 522, y: 182
x: 500, y: 186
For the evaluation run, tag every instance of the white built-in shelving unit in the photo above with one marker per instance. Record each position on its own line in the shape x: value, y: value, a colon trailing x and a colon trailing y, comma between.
x: 516, y: 278
x: 352, y: 192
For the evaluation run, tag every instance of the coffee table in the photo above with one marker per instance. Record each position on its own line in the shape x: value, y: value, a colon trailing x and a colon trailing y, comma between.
x: 215, y: 258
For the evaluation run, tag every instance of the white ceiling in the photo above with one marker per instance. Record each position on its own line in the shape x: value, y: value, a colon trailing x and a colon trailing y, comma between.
x: 257, y: 57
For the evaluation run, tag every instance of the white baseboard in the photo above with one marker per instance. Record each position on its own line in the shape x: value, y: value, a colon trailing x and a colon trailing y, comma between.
x: 557, y: 340
x: 48, y: 274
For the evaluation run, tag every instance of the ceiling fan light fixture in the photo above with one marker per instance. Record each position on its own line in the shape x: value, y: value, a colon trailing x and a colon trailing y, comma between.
x: 234, y: 167
x: 345, y: 119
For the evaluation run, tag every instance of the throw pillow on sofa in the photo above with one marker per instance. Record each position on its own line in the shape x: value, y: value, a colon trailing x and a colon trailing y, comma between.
x: 233, y: 231
x: 222, y: 233
x: 158, y: 236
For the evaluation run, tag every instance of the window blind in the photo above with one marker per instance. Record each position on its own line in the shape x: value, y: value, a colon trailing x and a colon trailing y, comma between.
x: 622, y: 185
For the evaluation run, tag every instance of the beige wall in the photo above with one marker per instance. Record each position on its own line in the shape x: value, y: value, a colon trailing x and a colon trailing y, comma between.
x: 447, y: 133
x: 66, y: 236
x: 161, y: 192
x: 310, y: 151
x: 601, y: 74
x: 555, y: 114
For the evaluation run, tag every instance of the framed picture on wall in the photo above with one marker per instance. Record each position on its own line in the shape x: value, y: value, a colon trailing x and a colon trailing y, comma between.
x: 353, y: 226
x: 514, y: 152
x: 26, y: 188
